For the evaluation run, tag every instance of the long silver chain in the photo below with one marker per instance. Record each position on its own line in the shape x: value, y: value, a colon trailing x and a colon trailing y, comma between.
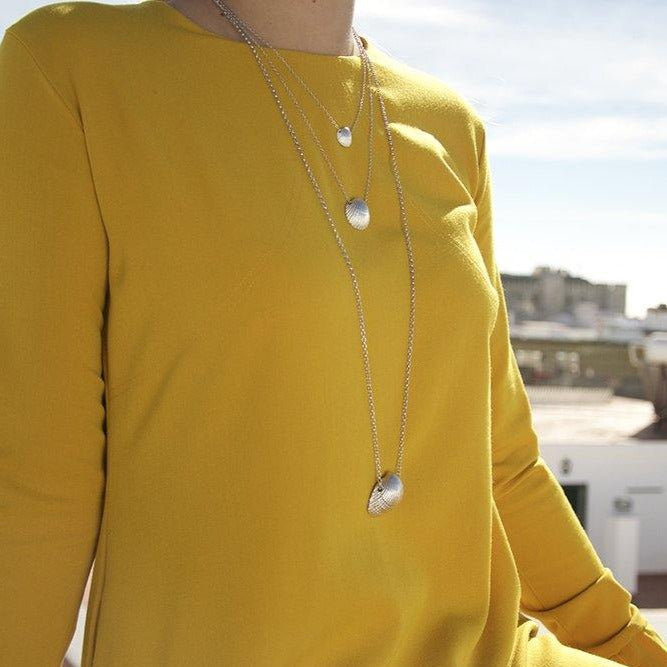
x: 379, y: 488
x: 241, y: 26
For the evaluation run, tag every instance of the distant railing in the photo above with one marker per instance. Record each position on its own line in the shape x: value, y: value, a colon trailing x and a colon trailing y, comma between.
x: 556, y: 394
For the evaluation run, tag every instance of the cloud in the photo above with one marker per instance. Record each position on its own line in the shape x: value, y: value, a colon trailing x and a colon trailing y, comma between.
x: 554, y: 79
x: 612, y: 219
x: 593, y: 137
x: 421, y: 13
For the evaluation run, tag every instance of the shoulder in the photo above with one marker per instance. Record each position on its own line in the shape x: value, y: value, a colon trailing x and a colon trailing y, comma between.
x: 435, y: 114
x: 61, y: 22
x: 80, y: 33
x: 74, y: 42
x: 431, y: 101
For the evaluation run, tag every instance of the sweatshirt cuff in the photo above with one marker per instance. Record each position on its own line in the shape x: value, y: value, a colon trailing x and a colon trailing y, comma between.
x: 645, y: 649
x: 602, y: 621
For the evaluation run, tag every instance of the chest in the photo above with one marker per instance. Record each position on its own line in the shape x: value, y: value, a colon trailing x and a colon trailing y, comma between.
x: 214, y: 226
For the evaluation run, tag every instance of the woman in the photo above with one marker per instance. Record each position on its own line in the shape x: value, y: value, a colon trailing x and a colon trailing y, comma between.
x: 235, y: 238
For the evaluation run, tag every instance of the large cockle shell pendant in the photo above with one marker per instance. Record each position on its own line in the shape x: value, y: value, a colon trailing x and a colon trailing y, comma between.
x: 344, y: 136
x: 392, y: 492
x: 357, y: 213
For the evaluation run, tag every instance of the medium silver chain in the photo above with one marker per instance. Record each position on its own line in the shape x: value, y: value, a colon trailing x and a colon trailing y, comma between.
x: 241, y: 27
x: 346, y: 257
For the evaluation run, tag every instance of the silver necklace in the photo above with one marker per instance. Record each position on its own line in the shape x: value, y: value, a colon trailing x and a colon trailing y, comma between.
x: 343, y: 132
x: 388, y: 488
x: 356, y: 209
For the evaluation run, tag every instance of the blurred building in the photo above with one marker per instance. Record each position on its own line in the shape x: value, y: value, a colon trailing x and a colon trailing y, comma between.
x: 555, y: 294
x: 656, y: 318
x: 569, y: 331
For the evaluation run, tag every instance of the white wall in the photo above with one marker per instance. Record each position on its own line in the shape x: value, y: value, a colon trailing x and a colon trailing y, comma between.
x: 633, y: 469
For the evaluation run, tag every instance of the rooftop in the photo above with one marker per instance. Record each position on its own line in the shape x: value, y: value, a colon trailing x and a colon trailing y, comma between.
x: 587, y: 415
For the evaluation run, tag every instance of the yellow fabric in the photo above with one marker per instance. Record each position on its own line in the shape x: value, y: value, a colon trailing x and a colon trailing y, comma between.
x: 182, y: 394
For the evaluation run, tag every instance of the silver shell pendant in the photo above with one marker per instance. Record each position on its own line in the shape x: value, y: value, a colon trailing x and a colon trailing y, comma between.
x: 344, y: 136
x: 357, y: 213
x: 392, y: 492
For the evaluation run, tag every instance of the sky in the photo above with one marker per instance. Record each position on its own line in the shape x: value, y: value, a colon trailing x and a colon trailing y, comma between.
x: 574, y: 98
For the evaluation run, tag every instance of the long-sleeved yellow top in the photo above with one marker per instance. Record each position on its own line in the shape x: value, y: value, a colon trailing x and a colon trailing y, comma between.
x: 182, y: 392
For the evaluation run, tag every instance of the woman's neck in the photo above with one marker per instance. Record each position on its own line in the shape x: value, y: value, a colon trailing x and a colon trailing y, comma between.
x: 319, y: 26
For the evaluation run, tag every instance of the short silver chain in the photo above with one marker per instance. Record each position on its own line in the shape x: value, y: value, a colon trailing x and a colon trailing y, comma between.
x: 262, y: 40
x: 346, y: 257
x: 242, y: 28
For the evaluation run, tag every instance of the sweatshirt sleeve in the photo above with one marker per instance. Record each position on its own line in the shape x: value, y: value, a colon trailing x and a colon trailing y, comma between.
x: 564, y: 584
x: 53, y: 267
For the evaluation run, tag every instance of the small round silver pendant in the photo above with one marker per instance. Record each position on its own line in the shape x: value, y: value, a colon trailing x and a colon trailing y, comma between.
x: 357, y: 213
x: 344, y: 136
x: 392, y: 492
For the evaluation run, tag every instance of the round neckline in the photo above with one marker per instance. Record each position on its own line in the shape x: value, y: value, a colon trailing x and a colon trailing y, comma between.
x: 189, y: 23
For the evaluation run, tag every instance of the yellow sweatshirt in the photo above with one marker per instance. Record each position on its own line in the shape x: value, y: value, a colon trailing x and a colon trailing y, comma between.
x: 182, y: 392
